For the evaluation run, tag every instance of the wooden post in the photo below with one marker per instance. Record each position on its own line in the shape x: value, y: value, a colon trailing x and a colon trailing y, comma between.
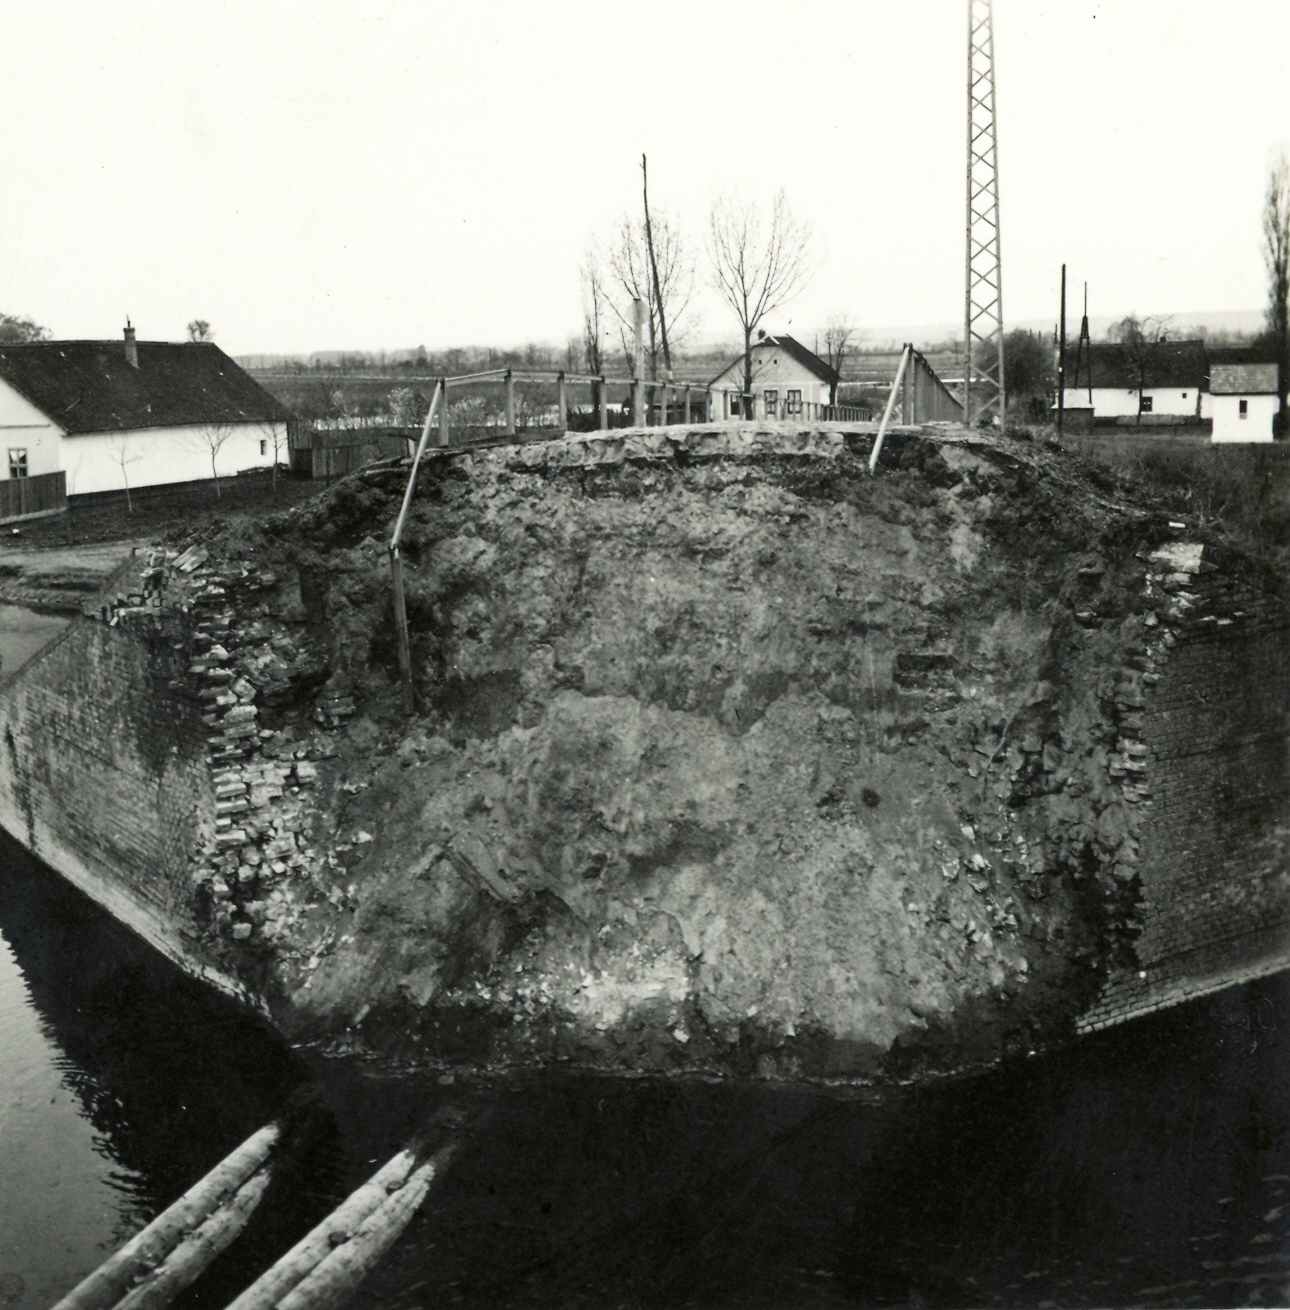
x: 444, y: 437
x: 1061, y: 361
x: 604, y: 404
x: 639, y: 417
x: 905, y: 398
x: 562, y: 402
x: 510, y: 403
x: 687, y: 403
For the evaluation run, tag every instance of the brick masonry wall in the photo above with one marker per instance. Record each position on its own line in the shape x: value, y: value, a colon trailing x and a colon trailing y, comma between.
x: 1210, y: 754
x: 104, y: 775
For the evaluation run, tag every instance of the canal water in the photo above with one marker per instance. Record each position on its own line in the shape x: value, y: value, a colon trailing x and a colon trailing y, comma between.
x: 1148, y: 1166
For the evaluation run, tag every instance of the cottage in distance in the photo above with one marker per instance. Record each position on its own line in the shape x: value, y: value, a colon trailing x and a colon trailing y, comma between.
x: 142, y: 413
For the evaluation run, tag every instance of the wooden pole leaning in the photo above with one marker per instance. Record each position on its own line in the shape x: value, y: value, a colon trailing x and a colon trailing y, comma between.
x: 886, y: 413
x: 396, y: 559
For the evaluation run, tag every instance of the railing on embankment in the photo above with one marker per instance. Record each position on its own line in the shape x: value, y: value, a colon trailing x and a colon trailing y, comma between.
x: 34, y: 497
x: 331, y: 448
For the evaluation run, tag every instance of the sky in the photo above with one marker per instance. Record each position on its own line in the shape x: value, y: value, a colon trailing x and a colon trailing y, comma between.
x: 378, y: 175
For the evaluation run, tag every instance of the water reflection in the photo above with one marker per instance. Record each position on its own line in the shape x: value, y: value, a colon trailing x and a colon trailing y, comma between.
x: 164, y: 1076
x: 1147, y: 1166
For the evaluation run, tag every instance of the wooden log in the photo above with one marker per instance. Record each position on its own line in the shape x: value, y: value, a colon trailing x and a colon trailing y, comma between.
x: 319, y: 1242
x: 333, y: 1280
x: 191, y: 1256
x: 114, y: 1277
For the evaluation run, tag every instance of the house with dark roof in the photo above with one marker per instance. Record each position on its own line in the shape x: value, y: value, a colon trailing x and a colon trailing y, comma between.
x: 1243, y: 401
x: 1170, y: 376
x: 785, y: 378
x: 109, y: 414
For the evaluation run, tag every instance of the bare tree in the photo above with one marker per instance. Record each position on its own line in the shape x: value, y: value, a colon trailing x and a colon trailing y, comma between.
x: 1276, y: 255
x: 637, y: 253
x: 274, y: 436
x: 124, y: 453
x: 200, y: 330
x: 1140, y: 338
x: 757, y: 266
x: 838, y: 337
x: 212, y: 437
x: 593, y: 307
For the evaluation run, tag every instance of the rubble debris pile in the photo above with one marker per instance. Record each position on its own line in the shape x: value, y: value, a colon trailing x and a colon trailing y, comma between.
x: 730, y: 758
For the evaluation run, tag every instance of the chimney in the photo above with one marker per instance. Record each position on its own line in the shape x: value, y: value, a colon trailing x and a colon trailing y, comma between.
x: 131, y: 348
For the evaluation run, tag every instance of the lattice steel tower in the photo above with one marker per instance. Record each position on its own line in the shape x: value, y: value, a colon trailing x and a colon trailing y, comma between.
x: 983, y: 394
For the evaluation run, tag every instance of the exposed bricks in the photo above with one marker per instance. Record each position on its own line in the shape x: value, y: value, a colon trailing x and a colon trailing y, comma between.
x: 1210, y: 749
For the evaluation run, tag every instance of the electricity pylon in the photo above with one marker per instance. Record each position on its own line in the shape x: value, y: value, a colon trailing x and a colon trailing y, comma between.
x: 983, y: 391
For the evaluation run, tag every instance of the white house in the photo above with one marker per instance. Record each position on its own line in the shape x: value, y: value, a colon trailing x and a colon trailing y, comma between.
x: 108, y: 413
x: 1169, y: 374
x: 1243, y: 401
x: 785, y: 377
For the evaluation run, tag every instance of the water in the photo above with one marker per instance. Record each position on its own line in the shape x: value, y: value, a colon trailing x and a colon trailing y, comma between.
x: 1147, y: 1166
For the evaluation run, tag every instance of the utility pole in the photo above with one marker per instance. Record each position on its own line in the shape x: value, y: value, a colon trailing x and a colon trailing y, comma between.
x: 1084, y: 351
x: 1061, y: 359
x: 653, y: 264
x: 983, y: 395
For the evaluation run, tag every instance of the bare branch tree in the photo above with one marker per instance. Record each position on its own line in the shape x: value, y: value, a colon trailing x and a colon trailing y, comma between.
x: 274, y: 436
x: 212, y: 437
x: 667, y: 297
x: 838, y: 336
x: 756, y: 266
x: 1276, y: 255
x: 1140, y: 337
x: 593, y: 307
x: 125, y: 454
x: 200, y: 330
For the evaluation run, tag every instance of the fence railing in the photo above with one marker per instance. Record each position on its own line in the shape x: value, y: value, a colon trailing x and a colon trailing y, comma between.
x: 34, y: 497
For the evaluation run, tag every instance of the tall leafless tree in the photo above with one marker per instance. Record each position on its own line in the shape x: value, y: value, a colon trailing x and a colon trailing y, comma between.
x: 632, y: 277
x: 593, y: 309
x: 757, y: 265
x: 1276, y: 254
x: 200, y: 330
x: 838, y: 336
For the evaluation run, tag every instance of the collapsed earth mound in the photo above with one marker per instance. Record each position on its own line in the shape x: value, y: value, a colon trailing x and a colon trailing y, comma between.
x: 728, y: 758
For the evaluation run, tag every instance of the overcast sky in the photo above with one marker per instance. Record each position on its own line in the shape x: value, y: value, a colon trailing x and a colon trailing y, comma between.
x: 362, y: 175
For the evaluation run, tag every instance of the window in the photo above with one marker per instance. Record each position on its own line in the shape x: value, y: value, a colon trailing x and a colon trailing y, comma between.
x: 1243, y: 408
x: 1146, y: 404
x: 792, y: 402
x: 1184, y: 395
x: 17, y: 462
x: 264, y: 447
x: 772, y: 404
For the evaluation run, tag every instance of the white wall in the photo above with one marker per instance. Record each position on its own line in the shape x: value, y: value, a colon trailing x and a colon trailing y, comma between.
x: 1230, y: 426
x: 1119, y: 402
x: 154, y: 456
x: 775, y: 369
x: 24, y: 427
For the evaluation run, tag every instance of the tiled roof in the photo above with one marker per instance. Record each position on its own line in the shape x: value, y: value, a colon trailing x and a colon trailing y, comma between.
x: 1247, y: 379
x: 88, y: 386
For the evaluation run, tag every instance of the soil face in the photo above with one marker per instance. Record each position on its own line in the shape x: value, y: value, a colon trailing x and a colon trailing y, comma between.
x: 729, y: 758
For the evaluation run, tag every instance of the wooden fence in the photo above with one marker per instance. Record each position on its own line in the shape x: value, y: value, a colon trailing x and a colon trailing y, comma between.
x: 33, y: 498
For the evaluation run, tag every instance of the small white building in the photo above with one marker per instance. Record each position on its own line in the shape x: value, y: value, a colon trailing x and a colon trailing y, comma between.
x: 1170, y: 377
x: 787, y: 381
x: 1243, y: 401
x: 108, y: 413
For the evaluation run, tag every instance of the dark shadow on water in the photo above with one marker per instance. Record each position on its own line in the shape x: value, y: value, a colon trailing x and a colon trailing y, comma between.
x: 171, y: 1075
x: 1145, y: 1166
